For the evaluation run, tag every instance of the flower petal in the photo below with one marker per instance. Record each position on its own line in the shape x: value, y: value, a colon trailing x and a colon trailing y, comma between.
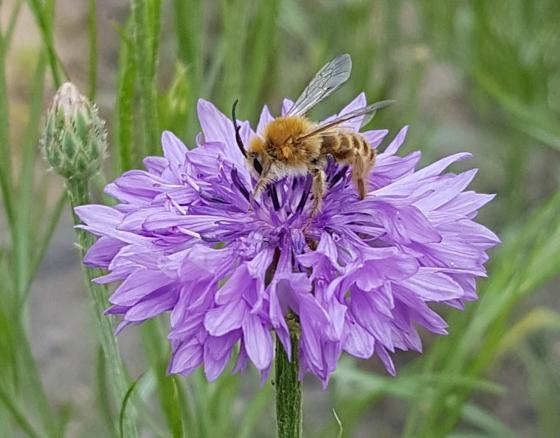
x: 137, y: 285
x: 173, y: 148
x: 224, y: 319
x: 258, y: 342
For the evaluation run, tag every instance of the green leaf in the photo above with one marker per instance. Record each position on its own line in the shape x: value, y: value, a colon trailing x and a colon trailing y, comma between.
x: 489, y: 424
x: 124, y: 104
x: 24, y: 230
x: 339, y: 424
x: 104, y: 402
x: 124, y: 404
x: 534, y: 321
x: 541, y: 363
x: 145, y: 14
x: 92, y: 48
x: 43, y: 13
x: 157, y: 354
x: 18, y: 414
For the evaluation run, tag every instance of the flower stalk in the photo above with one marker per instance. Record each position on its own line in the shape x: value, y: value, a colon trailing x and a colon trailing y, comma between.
x: 289, y: 414
x: 78, y: 194
x: 74, y: 142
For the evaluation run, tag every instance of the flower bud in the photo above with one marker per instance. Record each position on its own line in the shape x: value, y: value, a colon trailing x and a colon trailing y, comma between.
x: 74, y: 137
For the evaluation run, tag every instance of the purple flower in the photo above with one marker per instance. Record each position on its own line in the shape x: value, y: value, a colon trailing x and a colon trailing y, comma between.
x: 187, y: 238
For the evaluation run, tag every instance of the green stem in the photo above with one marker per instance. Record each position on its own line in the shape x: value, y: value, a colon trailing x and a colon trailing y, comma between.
x: 44, y: 15
x: 79, y: 195
x: 92, y: 47
x: 124, y: 105
x: 288, y: 392
x: 145, y: 34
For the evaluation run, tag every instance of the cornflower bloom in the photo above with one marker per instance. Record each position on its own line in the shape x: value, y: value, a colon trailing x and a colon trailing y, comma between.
x: 187, y: 237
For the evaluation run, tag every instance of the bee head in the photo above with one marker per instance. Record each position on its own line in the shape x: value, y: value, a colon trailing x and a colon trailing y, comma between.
x: 256, y: 154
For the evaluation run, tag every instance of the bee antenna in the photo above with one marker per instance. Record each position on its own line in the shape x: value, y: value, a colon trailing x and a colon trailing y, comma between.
x: 237, y: 128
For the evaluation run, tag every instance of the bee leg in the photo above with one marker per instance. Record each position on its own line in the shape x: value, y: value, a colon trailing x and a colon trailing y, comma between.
x: 361, y: 188
x: 261, y: 183
x: 358, y: 173
x: 264, y: 180
x: 318, y: 188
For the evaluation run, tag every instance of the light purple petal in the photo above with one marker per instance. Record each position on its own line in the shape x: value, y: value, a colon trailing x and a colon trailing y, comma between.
x: 173, y: 148
x: 397, y: 142
x: 186, y: 358
x: 258, y: 342
x: 139, y: 284
x: 358, y: 341
x: 102, y: 252
x: 375, y: 137
x: 264, y: 119
x: 95, y: 214
x: 433, y: 286
x: 224, y: 319
x: 217, y: 352
x: 152, y: 306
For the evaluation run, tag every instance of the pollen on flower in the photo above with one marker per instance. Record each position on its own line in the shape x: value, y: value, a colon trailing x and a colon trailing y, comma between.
x: 186, y: 237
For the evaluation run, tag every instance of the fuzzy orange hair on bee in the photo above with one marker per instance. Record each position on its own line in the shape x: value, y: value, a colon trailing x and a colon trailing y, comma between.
x: 293, y: 145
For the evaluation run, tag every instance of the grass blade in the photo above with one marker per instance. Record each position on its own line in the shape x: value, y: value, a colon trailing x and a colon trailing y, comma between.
x: 234, y: 26
x: 544, y: 381
x: 491, y: 426
x: 167, y: 388
x: 6, y: 182
x: 23, y: 233
x: 12, y: 23
x: 339, y: 424
x: 261, y: 54
x: 174, y: 105
x: 32, y: 382
x: 92, y: 47
x: 123, y: 407
x: 44, y: 17
x: 124, y: 105
x: 145, y: 14
x: 103, y: 395
x: 189, y: 28
x: 18, y: 415
x: 43, y: 242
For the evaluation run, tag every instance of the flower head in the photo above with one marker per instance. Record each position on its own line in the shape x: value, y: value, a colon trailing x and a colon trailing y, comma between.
x: 187, y: 238
x: 74, y: 138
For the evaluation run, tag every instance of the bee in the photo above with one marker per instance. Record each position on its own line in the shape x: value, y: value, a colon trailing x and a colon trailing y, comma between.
x: 293, y: 145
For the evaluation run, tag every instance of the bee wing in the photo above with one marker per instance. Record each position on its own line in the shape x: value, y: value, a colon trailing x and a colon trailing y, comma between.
x: 368, y: 111
x: 329, y: 78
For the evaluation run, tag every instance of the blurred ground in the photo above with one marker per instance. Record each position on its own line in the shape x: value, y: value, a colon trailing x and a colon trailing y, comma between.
x: 61, y: 329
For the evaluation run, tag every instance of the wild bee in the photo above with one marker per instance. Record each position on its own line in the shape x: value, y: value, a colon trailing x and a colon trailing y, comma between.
x: 293, y: 145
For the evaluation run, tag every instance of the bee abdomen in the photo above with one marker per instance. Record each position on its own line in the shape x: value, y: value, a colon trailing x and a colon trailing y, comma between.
x: 330, y: 144
x: 345, y: 145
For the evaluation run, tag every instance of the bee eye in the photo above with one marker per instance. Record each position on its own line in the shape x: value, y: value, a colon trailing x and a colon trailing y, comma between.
x: 257, y: 166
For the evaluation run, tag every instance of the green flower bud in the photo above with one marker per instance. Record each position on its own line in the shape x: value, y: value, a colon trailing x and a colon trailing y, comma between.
x: 74, y: 137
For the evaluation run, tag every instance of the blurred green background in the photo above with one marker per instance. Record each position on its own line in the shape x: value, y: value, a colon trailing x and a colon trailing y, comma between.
x: 480, y: 76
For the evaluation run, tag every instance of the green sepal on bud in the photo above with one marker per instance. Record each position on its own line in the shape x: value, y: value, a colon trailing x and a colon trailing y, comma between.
x: 74, y: 138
